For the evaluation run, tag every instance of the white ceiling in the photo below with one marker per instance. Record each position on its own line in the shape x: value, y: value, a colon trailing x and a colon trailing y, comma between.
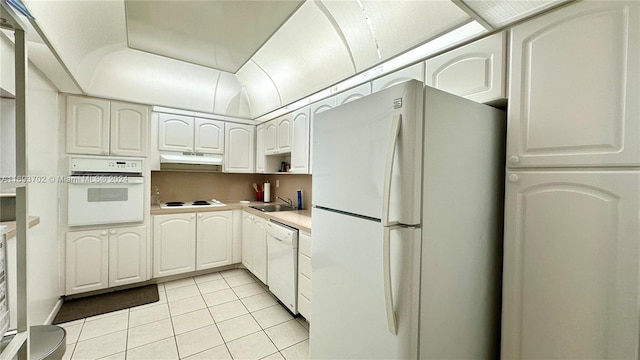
x: 218, y: 34
x: 244, y: 58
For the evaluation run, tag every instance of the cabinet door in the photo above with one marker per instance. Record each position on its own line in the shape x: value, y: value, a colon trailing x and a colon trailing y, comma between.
x: 239, y: 153
x: 175, y: 133
x: 353, y: 94
x: 129, y: 129
x: 248, y: 240
x: 87, y: 261
x: 87, y: 126
x: 209, y: 136
x: 574, y: 102
x: 284, y: 134
x: 315, y: 109
x: 260, y: 249
x: 127, y: 255
x: 174, y: 244
x: 271, y: 137
x: 214, y: 239
x: 570, y: 287
x: 476, y: 71
x: 300, y: 144
x: 260, y: 148
x: 412, y: 72
x: 304, y: 275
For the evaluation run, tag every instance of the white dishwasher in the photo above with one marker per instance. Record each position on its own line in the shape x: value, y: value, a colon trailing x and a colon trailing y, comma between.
x: 282, y: 265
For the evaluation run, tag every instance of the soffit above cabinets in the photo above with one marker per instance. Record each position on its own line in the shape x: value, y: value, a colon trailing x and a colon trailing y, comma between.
x: 218, y: 34
x: 247, y: 58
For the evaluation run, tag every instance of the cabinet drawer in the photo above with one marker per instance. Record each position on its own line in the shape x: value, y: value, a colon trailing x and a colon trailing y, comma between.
x: 304, y: 307
x: 304, y: 286
x: 304, y: 244
x: 304, y: 266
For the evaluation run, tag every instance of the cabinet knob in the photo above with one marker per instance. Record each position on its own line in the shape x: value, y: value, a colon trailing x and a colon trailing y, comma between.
x: 112, y: 232
x: 193, y: 216
x: 513, y: 178
x: 103, y: 233
x: 200, y: 216
x: 514, y: 160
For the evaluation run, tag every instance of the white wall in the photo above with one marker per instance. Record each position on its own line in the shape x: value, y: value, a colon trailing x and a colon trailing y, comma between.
x: 7, y: 137
x: 43, y: 154
x: 42, y: 159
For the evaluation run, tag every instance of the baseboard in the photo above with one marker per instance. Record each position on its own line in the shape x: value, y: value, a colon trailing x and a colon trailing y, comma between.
x: 54, y: 312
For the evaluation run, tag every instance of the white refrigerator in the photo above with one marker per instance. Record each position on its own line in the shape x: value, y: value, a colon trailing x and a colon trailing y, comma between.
x: 407, y: 216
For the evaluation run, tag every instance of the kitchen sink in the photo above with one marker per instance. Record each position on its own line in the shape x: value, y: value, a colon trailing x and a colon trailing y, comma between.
x: 273, y: 207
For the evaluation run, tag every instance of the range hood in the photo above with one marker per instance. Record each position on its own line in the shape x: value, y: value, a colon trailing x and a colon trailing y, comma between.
x: 190, y: 161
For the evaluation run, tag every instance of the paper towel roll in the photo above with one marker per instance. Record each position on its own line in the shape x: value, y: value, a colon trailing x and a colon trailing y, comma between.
x: 267, y: 192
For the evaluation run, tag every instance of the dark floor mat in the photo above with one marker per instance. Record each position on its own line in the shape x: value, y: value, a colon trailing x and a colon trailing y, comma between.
x: 75, y: 309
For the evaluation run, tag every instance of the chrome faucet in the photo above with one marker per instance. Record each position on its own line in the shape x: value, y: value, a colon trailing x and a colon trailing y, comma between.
x: 286, y: 199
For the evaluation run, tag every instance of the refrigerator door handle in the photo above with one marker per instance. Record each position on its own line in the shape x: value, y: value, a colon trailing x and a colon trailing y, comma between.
x: 388, y: 291
x: 388, y: 170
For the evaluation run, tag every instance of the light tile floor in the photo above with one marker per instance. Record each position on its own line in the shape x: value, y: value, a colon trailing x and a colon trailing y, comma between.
x: 225, y: 315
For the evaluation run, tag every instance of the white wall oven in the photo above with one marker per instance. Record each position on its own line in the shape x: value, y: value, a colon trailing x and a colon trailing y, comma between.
x: 105, y: 190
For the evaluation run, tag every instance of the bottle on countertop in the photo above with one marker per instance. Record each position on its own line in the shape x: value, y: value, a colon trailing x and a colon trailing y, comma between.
x: 299, y: 199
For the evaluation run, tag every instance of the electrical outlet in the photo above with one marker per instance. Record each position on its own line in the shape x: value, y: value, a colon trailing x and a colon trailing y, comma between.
x: 277, y: 183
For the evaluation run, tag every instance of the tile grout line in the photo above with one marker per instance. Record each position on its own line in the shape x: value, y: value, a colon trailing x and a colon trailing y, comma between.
x: 175, y: 341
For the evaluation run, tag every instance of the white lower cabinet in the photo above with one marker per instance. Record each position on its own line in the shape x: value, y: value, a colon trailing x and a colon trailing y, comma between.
x: 98, y: 259
x: 192, y: 241
x: 254, y: 245
x: 570, y: 287
x: 174, y: 244
x: 304, y: 275
x: 214, y: 239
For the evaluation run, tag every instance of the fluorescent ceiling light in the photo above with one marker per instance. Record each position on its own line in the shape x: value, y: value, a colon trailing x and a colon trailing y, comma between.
x: 499, y: 13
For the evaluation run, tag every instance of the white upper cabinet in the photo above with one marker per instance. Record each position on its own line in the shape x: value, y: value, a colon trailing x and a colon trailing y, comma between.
x: 570, y: 287
x: 476, y: 71
x: 315, y: 109
x: 87, y: 126
x: 239, y: 148
x: 284, y: 134
x: 175, y: 132
x: 353, y: 94
x: 573, y: 96
x: 278, y: 135
x: 102, y: 127
x: 208, y: 136
x: 188, y: 134
x: 409, y: 73
x: 300, y: 147
x: 129, y: 129
x: 260, y: 130
x: 271, y: 137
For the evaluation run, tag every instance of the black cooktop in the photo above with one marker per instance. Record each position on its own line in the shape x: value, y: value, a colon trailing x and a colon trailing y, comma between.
x: 174, y: 203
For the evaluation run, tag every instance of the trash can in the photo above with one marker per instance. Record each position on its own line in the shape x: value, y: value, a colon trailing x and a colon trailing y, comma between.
x: 48, y: 342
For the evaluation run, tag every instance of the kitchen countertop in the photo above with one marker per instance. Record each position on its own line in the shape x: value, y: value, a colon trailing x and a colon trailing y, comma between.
x: 10, y: 226
x: 299, y: 219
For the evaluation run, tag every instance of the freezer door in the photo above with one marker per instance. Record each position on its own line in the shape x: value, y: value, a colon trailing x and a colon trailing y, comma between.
x: 349, y: 317
x: 351, y: 146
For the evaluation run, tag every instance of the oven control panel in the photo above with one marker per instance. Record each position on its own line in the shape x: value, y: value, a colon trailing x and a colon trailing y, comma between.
x: 104, y: 164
